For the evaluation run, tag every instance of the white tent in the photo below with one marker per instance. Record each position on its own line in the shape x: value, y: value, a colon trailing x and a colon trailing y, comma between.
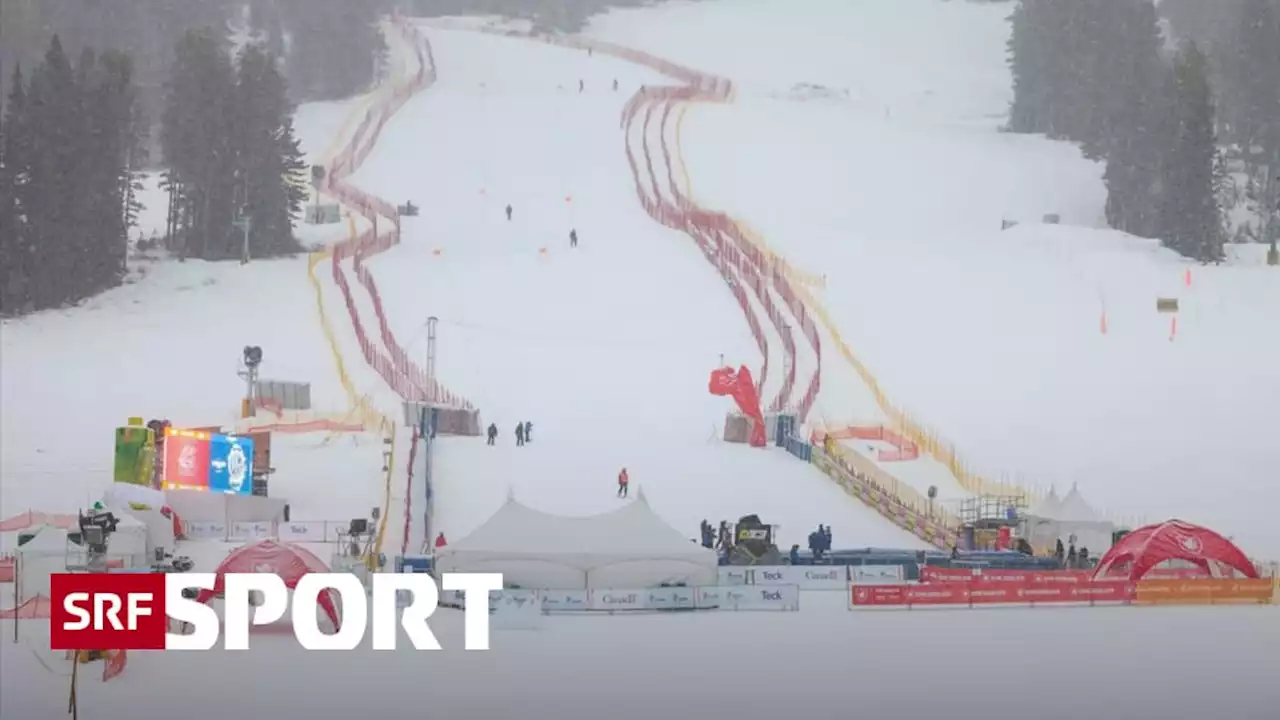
x: 627, y: 548
x: 1072, y: 517
x: 46, y: 553
x: 1048, y: 505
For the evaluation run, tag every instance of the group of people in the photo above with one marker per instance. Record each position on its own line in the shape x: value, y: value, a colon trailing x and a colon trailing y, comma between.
x: 573, y: 232
x: 524, y: 433
x: 819, y: 542
x: 1072, y: 559
x: 713, y: 538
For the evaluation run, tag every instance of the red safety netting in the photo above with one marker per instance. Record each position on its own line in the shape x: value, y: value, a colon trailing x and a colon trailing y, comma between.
x: 385, y: 355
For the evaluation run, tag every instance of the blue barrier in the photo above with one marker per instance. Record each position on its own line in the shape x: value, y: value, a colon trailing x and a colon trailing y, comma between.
x: 798, y: 448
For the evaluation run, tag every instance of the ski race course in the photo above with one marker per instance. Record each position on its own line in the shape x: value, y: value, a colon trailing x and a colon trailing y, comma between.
x: 606, y: 348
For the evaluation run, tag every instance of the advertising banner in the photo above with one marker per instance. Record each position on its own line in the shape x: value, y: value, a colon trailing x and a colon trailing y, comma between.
x: 186, y: 460
x: 515, y: 610
x: 780, y: 597
x: 876, y: 574
x: 250, y: 531
x: 306, y: 531
x: 565, y: 600
x: 960, y: 575
x: 614, y: 600
x: 670, y: 599
x: 968, y: 594
x: 806, y: 577
x: 1203, y: 592
x: 732, y: 576
x: 205, y: 530
x: 230, y: 464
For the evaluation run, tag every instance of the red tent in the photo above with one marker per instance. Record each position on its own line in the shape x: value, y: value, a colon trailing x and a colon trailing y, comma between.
x: 1144, y: 548
x: 288, y: 561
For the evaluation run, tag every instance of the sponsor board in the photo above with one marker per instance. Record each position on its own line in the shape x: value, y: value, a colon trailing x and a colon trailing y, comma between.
x: 1203, y: 591
x: 1044, y: 577
x: 876, y: 574
x: 205, y: 530
x: 310, y: 531
x: 670, y: 599
x: 615, y: 600
x: 250, y: 530
x: 778, y: 597
x: 969, y: 593
x: 806, y: 577
x: 515, y: 609
x: 565, y: 600
x: 733, y: 576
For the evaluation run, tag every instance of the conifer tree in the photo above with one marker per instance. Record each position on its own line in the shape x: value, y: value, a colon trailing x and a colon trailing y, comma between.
x: 1191, y: 221
x: 269, y: 163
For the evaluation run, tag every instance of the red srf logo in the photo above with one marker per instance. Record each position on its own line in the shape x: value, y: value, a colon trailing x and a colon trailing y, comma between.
x: 107, y: 611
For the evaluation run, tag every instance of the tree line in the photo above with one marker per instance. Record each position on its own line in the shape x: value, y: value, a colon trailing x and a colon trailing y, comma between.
x: 72, y: 150
x: 1166, y: 122
x: 328, y: 48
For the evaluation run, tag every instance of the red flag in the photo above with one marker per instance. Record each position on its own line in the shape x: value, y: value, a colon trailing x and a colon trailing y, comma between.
x: 742, y: 388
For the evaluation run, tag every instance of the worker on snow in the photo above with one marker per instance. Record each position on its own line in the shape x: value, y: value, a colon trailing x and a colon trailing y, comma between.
x: 519, y: 433
x: 573, y: 238
x: 615, y: 84
x: 623, y: 481
x: 581, y: 85
x: 493, y: 433
x: 508, y: 213
x: 440, y: 541
x: 528, y: 431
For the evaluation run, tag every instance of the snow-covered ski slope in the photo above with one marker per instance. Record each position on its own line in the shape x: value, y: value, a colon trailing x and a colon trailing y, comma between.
x: 897, y: 194
x: 606, y: 347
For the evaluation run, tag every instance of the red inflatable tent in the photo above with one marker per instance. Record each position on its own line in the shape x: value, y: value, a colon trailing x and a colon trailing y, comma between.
x: 1148, y: 546
x: 288, y: 561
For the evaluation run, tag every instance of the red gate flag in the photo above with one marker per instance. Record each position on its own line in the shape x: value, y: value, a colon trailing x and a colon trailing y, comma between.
x: 740, y: 386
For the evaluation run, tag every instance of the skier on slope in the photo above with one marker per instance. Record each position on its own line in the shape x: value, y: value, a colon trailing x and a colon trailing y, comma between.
x: 508, y: 213
x: 623, y: 481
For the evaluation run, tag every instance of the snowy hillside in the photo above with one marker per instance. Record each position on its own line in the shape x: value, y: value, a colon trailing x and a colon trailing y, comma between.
x: 994, y: 339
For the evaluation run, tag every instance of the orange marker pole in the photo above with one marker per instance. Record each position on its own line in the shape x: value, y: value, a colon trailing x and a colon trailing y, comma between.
x: 1103, y: 324
x: 1173, y: 328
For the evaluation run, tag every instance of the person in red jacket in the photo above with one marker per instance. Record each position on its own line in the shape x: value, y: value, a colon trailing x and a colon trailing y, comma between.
x: 622, y: 483
x: 440, y: 541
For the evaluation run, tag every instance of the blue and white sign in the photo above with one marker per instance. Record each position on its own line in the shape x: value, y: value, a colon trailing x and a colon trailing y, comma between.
x: 413, y: 564
x: 231, y: 464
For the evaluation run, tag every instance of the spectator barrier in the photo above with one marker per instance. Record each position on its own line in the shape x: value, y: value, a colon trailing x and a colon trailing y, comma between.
x: 1048, y: 590
x: 781, y: 598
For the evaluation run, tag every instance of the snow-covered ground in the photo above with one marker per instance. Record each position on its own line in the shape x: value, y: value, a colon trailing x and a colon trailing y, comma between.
x: 898, y: 195
x: 823, y: 662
